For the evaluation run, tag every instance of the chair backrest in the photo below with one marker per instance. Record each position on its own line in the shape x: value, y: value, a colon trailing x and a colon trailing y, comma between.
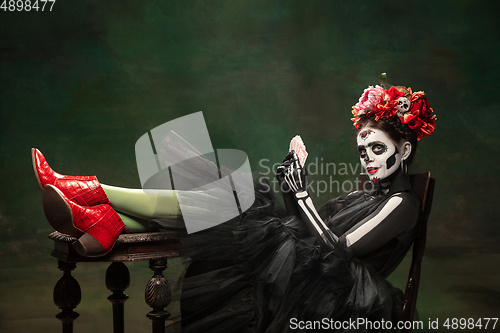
x: 423, y: 186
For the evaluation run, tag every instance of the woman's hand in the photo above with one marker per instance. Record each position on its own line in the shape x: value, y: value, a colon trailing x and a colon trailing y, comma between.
x: 295, y: 177
x: 292, y: 174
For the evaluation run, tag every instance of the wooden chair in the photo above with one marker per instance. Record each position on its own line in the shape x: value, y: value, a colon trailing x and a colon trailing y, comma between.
x: 423, y: 186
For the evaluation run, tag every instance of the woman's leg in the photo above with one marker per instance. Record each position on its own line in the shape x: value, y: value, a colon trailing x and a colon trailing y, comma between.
x: 135, y: 224
x: 156, y: 204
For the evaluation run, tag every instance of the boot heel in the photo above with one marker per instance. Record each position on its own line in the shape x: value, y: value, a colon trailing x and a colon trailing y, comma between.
x: 58, y: 212
x: 98, y: 226
x: 88, y: 246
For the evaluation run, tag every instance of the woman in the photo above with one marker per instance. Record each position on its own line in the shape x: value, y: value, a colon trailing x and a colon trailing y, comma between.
x: 276, y: 270
x: 321, y: 268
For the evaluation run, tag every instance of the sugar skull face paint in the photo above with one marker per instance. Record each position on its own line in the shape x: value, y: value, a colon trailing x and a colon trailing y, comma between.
x: 365, y: 133
x: 378, y: 154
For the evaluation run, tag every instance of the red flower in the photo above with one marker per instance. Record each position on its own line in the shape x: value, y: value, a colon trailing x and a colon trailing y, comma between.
x: 415, y: 123
x: 416, y: 95
x: 393, y: 94
x: 420, y: 117
x: 427, y: 128
x: 387, y: 110
x: 407, y: 118
x: 421, y: 104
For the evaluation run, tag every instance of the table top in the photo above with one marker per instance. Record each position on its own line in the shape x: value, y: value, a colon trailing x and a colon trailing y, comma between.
x: 128, y: 247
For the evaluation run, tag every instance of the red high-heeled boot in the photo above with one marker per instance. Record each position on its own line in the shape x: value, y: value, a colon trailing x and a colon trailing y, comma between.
x: 97, y: 227
x: 84, y: 190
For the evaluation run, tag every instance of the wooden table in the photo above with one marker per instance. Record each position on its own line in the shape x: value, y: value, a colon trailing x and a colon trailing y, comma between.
x: 156, y: 247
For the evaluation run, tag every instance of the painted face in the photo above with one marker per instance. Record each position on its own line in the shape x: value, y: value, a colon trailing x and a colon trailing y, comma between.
x: 377, y: 153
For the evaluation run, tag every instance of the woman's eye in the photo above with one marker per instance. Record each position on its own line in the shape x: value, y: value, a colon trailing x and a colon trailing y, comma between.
x: 362, y: 153
x: 378, y: 149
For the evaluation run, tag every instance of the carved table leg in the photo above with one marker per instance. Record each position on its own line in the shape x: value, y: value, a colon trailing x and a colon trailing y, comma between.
x: 158, y: 295
x: 67, y: 296
x: 117, y: 280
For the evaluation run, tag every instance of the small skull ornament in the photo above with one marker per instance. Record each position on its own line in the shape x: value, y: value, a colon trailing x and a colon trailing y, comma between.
x: 403, y: 106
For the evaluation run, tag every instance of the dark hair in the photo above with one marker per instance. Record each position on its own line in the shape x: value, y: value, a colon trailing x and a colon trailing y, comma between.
x: 396, y: 130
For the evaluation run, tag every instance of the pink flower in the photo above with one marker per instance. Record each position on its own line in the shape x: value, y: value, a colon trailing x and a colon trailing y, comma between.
x: 371, y: 97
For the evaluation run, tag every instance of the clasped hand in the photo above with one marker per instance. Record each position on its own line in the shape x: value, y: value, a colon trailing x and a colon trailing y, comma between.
x: 291, y: 173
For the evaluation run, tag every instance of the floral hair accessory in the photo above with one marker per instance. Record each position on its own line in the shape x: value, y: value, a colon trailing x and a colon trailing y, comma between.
x: 386, y: 101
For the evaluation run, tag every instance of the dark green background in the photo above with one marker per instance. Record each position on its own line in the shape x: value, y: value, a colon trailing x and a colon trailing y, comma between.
x: 85, y: 81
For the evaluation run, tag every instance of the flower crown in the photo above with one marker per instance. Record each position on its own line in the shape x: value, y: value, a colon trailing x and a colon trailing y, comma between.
x: 412, y: 108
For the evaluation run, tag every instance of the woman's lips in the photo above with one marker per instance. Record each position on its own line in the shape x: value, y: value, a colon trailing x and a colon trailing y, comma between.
x: 372, y: 169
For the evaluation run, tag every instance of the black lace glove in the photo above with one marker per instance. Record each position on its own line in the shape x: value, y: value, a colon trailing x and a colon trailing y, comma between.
x: 293, y: 183
x: 291, y: 176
